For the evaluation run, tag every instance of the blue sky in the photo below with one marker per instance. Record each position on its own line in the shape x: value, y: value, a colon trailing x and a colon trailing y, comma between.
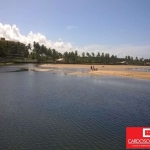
x: 114, y: 26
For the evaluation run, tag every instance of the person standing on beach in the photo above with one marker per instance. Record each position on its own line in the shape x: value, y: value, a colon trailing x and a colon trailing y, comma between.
x: 91, y: 68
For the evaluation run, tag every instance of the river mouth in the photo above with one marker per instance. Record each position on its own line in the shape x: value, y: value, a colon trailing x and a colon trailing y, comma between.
x: 47, y: 110
x: 80, y: 70
x: 36, y: 68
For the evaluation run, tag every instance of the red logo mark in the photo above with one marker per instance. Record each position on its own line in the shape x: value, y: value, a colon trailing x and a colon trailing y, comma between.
x: 147, y: 132
x: 138, y: 137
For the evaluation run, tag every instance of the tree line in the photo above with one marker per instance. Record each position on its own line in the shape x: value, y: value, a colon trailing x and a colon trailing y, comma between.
x: 11, y: 49
x: 16, y: 50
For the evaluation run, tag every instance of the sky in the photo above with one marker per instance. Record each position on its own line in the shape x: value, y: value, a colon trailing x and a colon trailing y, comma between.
x: 119, y: 27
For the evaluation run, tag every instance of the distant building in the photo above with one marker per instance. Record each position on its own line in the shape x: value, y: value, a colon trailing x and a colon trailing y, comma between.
x: 12, y: 48
x: 123, y: 63
x: 147, y: 63
x: 61, y: 60
x: 2, y: 39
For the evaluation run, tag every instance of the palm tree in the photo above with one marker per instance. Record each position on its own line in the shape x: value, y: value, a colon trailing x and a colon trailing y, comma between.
x: 98, y: 57
x: 83, y: 56
x: 76, y: 56
x: 66, y: 56
x: 93, y: 54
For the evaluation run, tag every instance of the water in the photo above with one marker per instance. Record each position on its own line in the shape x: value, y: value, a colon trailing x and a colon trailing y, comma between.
x: 42, y: 110
x: 147, y: 69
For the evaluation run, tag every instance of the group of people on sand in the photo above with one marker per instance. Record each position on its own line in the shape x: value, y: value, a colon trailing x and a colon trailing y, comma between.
x: 93, y: 69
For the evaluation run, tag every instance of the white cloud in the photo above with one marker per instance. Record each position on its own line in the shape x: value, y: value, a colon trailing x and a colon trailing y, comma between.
x: 13, y: 33
x: 71, y: 27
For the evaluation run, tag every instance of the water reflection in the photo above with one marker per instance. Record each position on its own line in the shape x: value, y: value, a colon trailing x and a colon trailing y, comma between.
x: 42, y: 110
x: 35, y: 67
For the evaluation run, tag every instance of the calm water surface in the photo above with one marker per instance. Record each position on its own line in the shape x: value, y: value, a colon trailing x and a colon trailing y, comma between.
x: 47, y: 111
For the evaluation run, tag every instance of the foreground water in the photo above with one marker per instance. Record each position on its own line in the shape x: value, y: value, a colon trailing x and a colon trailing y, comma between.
x: 43, y: 110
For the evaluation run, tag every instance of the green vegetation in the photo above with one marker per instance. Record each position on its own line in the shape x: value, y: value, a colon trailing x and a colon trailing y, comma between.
x: 11, y: 51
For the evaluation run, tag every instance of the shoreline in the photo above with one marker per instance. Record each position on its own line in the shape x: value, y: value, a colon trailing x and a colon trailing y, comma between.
x: 129, y: 71
x: 6, y: 64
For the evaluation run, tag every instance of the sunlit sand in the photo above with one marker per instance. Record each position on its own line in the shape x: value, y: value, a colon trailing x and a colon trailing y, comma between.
x: 111, y: 70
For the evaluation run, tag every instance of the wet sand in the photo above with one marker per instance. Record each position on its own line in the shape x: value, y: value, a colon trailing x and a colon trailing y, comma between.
x: 110, y: 70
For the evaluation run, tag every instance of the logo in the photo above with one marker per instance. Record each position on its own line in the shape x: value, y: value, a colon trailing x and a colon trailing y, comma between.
x: 138, y: 137
x: 146, y: 132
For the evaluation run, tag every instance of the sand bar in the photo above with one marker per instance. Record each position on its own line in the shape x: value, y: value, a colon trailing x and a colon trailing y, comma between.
x: 111, y: 70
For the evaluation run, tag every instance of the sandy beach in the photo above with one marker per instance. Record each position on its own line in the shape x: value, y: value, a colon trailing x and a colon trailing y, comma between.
x: 141, y: 72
